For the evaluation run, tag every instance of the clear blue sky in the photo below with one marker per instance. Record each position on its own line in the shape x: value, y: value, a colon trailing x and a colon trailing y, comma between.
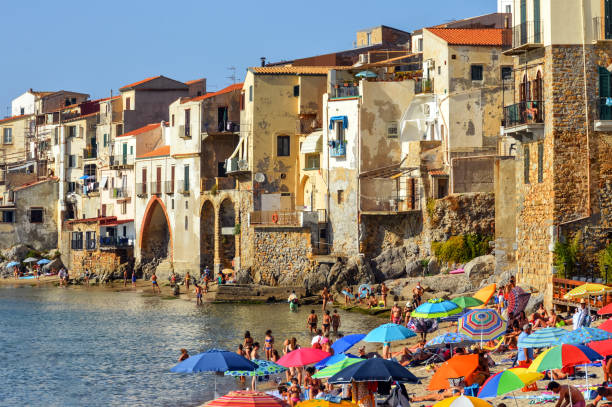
x: 96, y: 46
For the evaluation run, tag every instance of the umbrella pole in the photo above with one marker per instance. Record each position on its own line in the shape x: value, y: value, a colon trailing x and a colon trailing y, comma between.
x: 515, y: 400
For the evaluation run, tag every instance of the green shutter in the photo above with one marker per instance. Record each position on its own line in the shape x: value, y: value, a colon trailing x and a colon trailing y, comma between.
x: 605, y: 112
x: 526, y: 164
x: 536, y: 21
x: 608, y: 19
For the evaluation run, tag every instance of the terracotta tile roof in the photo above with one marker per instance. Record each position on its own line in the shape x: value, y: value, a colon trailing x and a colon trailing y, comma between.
x: 437, y: 172
x: 470, y: 36
x: 80, y: 117
x: 33, y: 183
x: 141, y: 130
x: 131, y: 85
x: 8, y: 119
x: 158, y: 152
x: 295, y: 70
x: 231, y: 88
x: 194, y: 81
x: 105, y: 99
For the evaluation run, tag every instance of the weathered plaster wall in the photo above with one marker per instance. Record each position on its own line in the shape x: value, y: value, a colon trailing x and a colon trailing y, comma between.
x: 505, y: 213
x: 472, y: 174
x: 384, y: 232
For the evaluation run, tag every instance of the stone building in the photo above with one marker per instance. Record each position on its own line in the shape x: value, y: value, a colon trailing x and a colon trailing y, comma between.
x: 559, y: 134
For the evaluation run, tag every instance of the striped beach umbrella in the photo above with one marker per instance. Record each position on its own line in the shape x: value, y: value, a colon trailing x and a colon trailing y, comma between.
x: 517, y: 300
x: 508, y: 381
x: 436, y: 308
x: 482, y: 324
x: 451, y: 338
x: 264, y: 368
x: 586, y: 290
x: 462, y: 401
x: 606, y: 326
x: 245, y: 398
x: 583, y: 335
x: 561, y: 356
x: 542, y: 338
x: 331, y: 370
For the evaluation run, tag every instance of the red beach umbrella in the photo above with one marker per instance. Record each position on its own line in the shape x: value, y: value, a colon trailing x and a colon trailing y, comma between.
x: 242, y: 398
x: 606, y: 326
x: 605, y: 310
x: 302, y: 357
x: 604, y: 348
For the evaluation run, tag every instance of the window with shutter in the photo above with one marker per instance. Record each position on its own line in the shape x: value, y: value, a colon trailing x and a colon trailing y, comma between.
x: 540, y: 162
x: 608, y: 19
x: 526, y: 164
x: 605, y: 111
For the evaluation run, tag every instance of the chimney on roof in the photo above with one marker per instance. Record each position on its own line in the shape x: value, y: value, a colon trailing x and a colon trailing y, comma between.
x: 263, y: 61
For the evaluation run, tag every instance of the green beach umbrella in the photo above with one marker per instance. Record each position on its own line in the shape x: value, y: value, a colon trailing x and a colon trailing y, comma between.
x: 436, y: 308
x: 331, y: 370
x: 264, y: 368
x: 467, y: 302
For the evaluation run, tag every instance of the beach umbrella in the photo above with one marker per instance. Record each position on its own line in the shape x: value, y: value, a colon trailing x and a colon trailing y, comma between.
x: 508, y: 381
x: 264, y: 368
x: 482, y: 324
x: 302, y: 357
x: 561, y: 356
x: 485, y: 294
x: 334, y: 359
x: 30, y: 260
x: 586, y: 290
x: 214, y: 360
x: 606, y: 326
x: 604, y: 348
x: 457, y: 367
x: 423, y: 325
x: 332, y: 369
x: 466, y: 302
x: 43, y: 261
x: 517, y: 300
x: 12, y: 264
x: 542, y: 338
x: 388, y: 333
x: 84, y: 177
x: 346, y: 342
x: 462, y: 401
x: 436, y: 308
x: 607, y: 310
x: 367, y: 74
x: 583, y: 335
x: 373, y: 370
x: 456, y: 340
x: 245, y: 398
x: 325, y: 403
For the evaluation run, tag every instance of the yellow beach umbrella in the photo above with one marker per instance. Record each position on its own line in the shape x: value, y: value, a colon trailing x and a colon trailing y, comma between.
x: 586, y: 290
x: 485, y: 294
x: 325, y: 403
x: 462, y: 401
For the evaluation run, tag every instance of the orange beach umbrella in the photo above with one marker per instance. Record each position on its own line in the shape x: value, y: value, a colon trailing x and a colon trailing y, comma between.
x: 459, y: 366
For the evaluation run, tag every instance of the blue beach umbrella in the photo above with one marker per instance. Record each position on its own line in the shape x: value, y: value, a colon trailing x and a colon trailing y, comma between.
x: 346, y: 342
x: 338, y: 357
x: 367, y: 74
x: 450, y: 338
x: 12, y: 264
x: 542, y: 338
x: 374, y: 370
x: 583, y: 335
x: 84, y: 177
x: 389, y: 333
x: 264, y: 368
x: 43, y: 261
x: 214, y: 360
x: 436, y: 308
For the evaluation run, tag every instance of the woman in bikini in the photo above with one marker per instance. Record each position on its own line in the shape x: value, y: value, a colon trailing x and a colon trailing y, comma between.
x: 269, y: 344
x: 311, y: 322
x: 248, y: 343
x: 326, y: 322
x: 294, y: 393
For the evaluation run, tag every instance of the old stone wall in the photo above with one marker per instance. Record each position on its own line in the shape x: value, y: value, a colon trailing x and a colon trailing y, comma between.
x: 462, y: 214
x: 102, y: 263
x: 280, y: 255
x: 385, y: 232
x: 472, y: 174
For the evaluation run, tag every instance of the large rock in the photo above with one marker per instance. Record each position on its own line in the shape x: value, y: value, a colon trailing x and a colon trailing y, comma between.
x: 534, y: 303
x: 354, y: 272
x: 480, y: 268
x: 317, y: 278
x: 54, y: 265
x: 243, y: 276
x: 433, y: 267
x: 414, y: 268
x: 16, y: 253
x: 390, y: 264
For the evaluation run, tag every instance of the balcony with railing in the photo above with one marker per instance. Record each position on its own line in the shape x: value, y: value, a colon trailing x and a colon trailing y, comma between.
x: 602, y: 29
x: 121, y: 161
x: 422, y: 85
x: 381, y: 196
x: 345, y: 90
x: 603, y: 114
x: 141, y: 189
x: 275, y: 218
x: 116, y: 241
x: 524, y: 118
x: 526, y: 36
x: 169, y: 187
x: 120, y: 193
x: 182, y: 187
x: 337, y: 148
x: 235, y: 166
x: 90, y: 153
x: 156, y: 188
x: 185, y: 132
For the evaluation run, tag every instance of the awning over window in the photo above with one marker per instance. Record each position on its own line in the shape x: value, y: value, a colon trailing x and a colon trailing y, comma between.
x: 313, y: 143
x: 104, y: 181
x: 342, y: 119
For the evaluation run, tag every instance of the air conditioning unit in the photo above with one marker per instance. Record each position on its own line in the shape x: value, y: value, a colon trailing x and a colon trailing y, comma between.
x: 231, y: 165
x: 430, y: 111
x: 243, y: 165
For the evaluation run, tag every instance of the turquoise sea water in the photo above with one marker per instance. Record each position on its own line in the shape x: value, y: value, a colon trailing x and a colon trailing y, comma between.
x: 67, y: 347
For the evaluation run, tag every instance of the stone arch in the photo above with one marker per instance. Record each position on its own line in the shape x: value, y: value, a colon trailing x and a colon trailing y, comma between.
x: 207, y: 234
x: 227, y: 242
x: 155, y: 239
x: 305, y: 196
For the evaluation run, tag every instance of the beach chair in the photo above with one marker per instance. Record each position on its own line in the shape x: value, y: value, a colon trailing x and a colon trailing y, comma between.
x: 472, y: 390
x: 496, y: 347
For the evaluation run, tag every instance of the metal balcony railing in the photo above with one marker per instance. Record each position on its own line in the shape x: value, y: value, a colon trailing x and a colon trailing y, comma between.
x: 90, y: 153
x: 120, y: 193
x: 337, y: 148
x: 604, y: 109
x: 118, y: 161
x: 344, y: 90
x: 141, y: 189
x: 115, y: 241
x: 275, y: 218
x: 182, y: 187
x: 527, y: 112
x: 169, y: 187
x: 156, y: 188
x: 423, y: 85
x: 529, y: 32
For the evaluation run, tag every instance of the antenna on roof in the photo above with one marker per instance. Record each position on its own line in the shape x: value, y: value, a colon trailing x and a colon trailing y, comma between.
x: 233, y: 75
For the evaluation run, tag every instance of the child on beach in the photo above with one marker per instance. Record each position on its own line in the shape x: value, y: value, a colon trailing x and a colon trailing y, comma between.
x: 269, y: 346
x: 187, y: 281
x: 255, y: 352
x: 311, y: 322
x: 248, y: 343
x: 133, y: 279
x: 154, y: 284
x: 335, y: 321
x: 198, y: 293
x: 294, y: 393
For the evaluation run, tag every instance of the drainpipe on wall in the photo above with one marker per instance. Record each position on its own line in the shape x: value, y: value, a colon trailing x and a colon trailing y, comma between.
x: 359, y: 228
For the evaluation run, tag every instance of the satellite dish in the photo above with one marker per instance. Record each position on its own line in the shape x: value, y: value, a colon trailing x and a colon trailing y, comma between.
x: 260, y: 177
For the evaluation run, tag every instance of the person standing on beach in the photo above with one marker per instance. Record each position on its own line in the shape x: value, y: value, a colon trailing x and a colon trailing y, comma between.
x: 269, y: 346
x: 335, y: 321
x: 417, y: 294
x: 248, y: 343
x: 187, y: 281
x: 125, y: 278
x: 154, y: 284
x: 396, y: 314
x: 133, y: 279
x: 255, y: 352
x: 326, y: 322
x: 384, y: 291
x: 311, y: 322
x: 324, y: 296
x: 198, y: 293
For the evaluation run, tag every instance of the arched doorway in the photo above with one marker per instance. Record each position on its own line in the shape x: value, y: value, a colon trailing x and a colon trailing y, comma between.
x: 155, y: 235
x: 227, y: 240
x: 305, y: 196
x: 207, y: 235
